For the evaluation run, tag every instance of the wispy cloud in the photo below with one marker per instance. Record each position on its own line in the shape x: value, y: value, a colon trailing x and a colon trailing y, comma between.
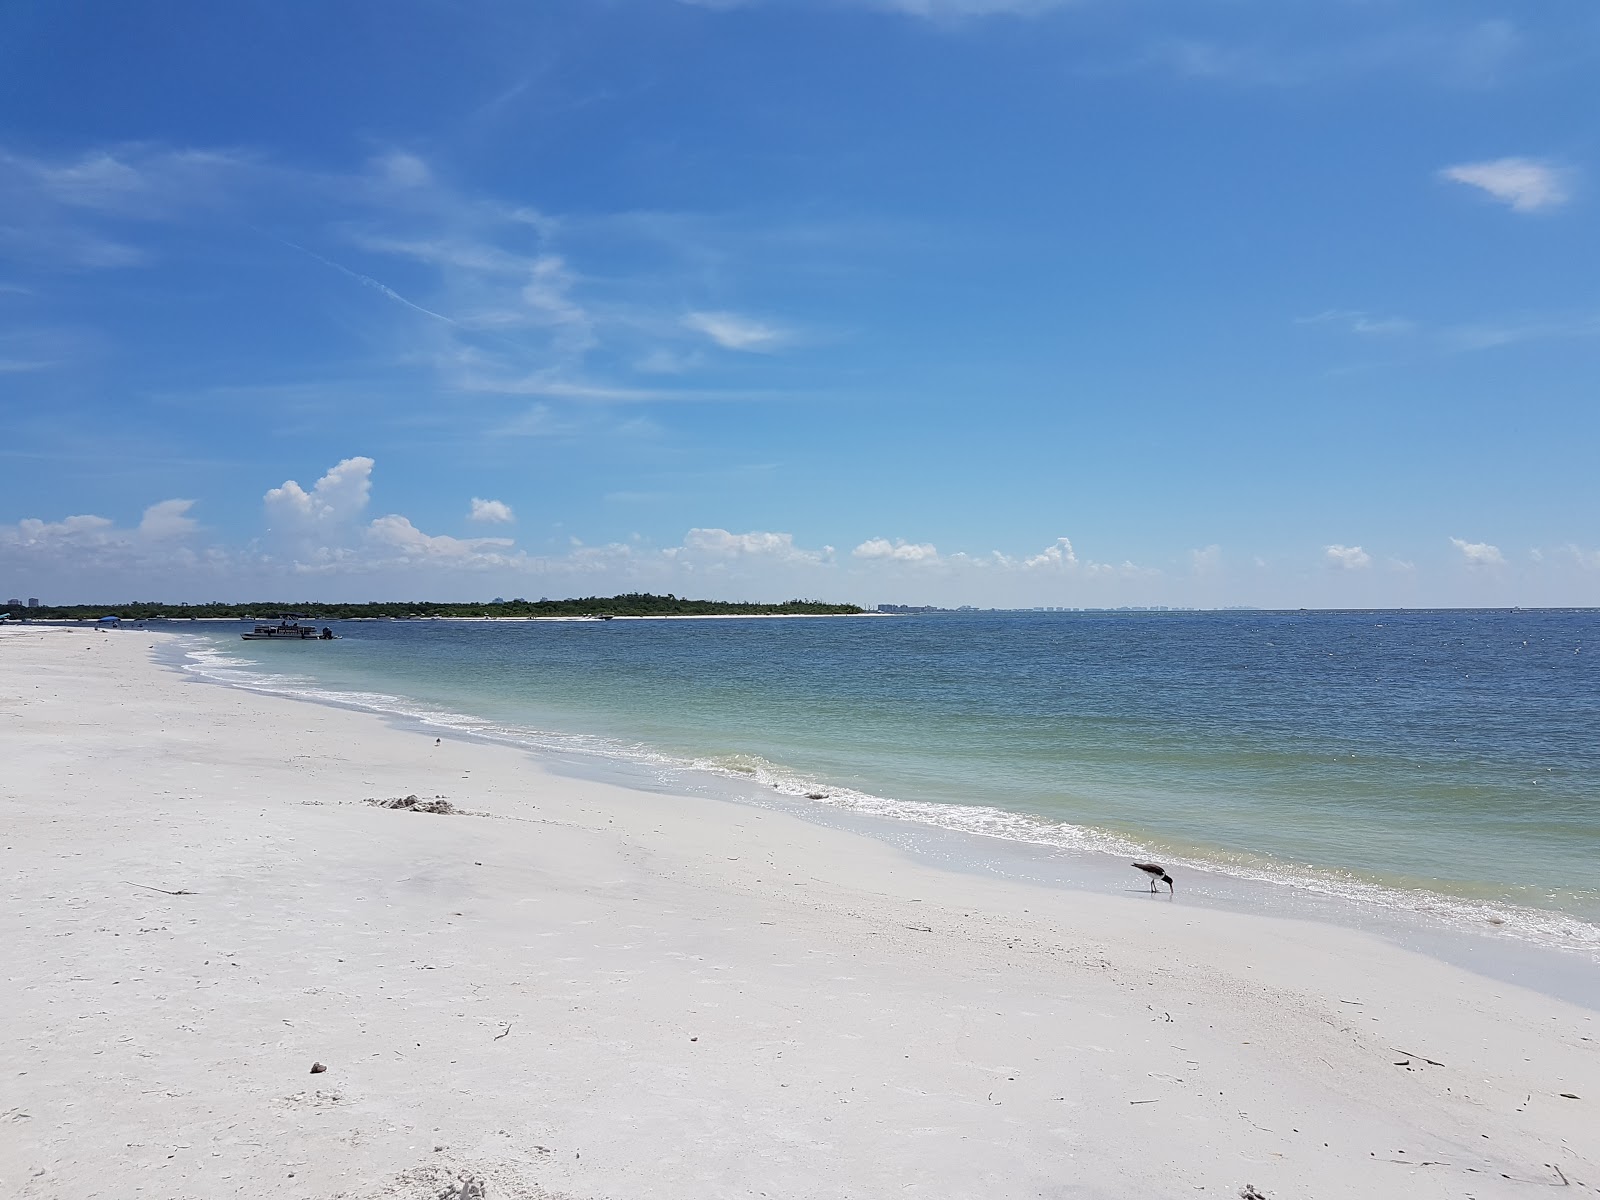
x: 1206, y: 561
x: 1360, y: 322
x: 501, y: 279
x: 734, y: 332
x: 1462, y: 337
x: 1459, y: 55
x: 1526, y: 185
x: 932, y: 10
x: 1488, y: 335
x: 137, y: 180
x: 947, y: 10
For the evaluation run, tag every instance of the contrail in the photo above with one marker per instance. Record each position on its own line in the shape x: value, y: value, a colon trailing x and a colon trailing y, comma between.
x: 372, y: 283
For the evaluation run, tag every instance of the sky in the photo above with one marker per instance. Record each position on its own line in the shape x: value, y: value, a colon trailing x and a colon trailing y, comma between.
x: 1291, y: 303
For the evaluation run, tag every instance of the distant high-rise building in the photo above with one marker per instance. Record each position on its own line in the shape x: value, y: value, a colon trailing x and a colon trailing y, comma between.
x: 13, y: 603
x: 33, y: 602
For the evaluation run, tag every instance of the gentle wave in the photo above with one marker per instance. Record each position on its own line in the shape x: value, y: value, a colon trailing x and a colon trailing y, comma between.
x: 1538, y: 926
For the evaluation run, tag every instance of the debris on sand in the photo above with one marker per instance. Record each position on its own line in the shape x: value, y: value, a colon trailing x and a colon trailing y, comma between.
x: 1248, y: 1192
x: 317, y: 1068
x: 416, y: 804
x: 466, y: 1187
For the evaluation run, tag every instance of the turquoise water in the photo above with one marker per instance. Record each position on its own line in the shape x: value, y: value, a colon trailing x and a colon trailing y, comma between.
x: 1453, y: 756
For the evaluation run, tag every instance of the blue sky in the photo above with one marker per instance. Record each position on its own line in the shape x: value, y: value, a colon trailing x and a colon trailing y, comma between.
x: 1002, y: 302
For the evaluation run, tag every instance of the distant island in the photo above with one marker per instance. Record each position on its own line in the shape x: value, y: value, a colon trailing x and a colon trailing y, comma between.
x: 631, y: 604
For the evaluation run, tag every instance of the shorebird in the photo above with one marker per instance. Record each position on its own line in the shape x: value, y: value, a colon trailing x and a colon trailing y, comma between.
x: 1157, y: 873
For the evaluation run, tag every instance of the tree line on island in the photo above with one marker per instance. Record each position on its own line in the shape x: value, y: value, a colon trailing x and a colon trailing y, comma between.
x: 630, y: 604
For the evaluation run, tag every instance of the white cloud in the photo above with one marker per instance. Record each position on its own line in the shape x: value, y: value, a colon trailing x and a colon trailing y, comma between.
x: 1206, y: 561
x: 1589, y: 560
x: 1479, y: 554
x: 721, y: 544
x: 168, y: 519
x: 154, y: 554
x: 339, y: 495
x: 1347, y: 558
x: 33, y: 532
x: 136, y: 180
x: 509, y: 305
x: 399, y: 534
x: 733, y: 332
x: 548, y: 297
x: 491, y: 511
x: 1060, y: 554
x: 1526, y: 184
x: 882, y: 549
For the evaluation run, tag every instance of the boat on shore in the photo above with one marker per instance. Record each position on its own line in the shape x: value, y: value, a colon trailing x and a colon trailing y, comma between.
x: 288, y: 629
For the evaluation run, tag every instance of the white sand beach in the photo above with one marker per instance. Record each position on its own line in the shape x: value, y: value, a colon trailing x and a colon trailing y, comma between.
x: 578, y: 990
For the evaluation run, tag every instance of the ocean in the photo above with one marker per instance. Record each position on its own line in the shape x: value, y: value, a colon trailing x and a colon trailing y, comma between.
x: 1442, y: 762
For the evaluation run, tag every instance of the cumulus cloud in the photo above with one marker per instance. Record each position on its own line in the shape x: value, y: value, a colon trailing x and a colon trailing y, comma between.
x: 340, y: 494
x: 493, y: 512
x: 1347, y: 558
x: 1525, y: 184
x: 733, y: 332
x: 1058, y: 555
x: 882, y: 549
x: 1479, y: 554
x: 85, y: 545
x: 31, y: 531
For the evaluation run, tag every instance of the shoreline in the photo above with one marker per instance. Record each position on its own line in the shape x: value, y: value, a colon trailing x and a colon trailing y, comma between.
x: 177, y: 623
x: 1549, y: 948
x: 600, y: 991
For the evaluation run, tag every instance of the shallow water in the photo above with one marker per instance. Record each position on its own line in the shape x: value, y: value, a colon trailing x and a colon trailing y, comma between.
x: 1447, y: 761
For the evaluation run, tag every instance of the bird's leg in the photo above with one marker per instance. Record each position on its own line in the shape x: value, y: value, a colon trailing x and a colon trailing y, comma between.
x: 1152, y: 886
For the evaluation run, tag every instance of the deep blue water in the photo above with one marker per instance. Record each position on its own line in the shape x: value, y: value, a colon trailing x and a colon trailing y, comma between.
x: 1452, y: 753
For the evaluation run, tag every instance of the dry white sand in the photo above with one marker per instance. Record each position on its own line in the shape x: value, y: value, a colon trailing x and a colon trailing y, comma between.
x: 597, y: 992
